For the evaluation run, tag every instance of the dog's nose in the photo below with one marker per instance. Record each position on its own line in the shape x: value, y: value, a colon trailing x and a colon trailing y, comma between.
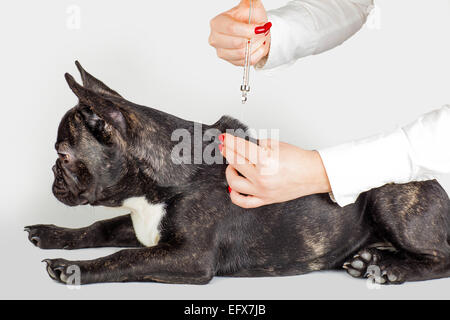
x: 64, y: 157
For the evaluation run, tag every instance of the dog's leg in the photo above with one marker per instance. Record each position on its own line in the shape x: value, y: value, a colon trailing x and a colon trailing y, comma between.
x: 414, y: 217
x: 161, y: 263
x: 115, y: 232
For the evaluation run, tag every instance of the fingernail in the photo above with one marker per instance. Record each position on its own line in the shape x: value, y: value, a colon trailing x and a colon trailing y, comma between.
x: 259, y: 30
x: 264, y: 43
x: 220, y: 147
x: 222, y: 137
x: 229, y: 189
x: 264, y: 28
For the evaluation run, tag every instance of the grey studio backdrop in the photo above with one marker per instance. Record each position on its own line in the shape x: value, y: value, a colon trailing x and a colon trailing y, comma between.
x: 156, y: 53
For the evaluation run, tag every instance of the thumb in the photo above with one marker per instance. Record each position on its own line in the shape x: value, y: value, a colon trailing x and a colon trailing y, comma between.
x: 258, y: 11
x: 246, y: 3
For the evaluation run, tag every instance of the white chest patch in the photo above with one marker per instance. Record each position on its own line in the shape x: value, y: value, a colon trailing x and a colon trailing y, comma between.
x: 146, y: 218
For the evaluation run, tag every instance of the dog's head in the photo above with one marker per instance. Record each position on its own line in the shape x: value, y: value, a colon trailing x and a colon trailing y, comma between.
x: 110, y: 149
x: 92, y: 161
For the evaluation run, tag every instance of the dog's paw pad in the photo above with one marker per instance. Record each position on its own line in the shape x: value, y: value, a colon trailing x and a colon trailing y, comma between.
x: 357, y: 266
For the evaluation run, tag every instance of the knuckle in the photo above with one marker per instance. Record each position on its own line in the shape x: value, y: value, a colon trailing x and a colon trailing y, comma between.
x: 220, y: 54
x: 212, y: 22
x: 211, y: 41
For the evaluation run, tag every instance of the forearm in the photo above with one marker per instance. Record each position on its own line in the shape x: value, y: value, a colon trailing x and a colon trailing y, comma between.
x: 307, y: 27
x: 417, y: 151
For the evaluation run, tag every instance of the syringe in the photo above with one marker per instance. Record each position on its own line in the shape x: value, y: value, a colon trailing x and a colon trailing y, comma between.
x: 245, y: 87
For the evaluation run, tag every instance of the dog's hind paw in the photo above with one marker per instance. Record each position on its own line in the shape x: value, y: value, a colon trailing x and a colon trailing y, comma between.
x: 369, y: 263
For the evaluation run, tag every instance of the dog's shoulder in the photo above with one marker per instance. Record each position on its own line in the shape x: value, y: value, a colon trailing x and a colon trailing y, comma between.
x: 227, y: 123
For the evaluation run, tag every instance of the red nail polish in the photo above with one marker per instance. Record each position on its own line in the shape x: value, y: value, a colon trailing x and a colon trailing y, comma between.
x: 220, y: 147
x: 229, y: 190
x: 222, y: 137
x: 263, y: 29
x: 259, y: 30
x: 264, y: 43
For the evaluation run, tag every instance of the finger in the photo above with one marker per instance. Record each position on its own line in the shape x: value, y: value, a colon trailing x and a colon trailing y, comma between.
x: 238, y: 183
x: 225, y: 24
x: 259, y: 54
x: 239, y: 54
x: 223, y: 41
x: 246, y: 202
x: 239, y: 163
x: 231, y: 54
x: 255, y: 57
x: 265, y: 143
x: 244, y: 148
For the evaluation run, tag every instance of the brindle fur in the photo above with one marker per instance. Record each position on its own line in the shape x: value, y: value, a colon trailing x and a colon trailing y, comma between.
x: 118, y: 149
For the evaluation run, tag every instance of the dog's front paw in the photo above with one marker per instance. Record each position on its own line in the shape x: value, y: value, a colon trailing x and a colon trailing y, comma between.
x: 47, y: 236
x: 371, y: 263
x: 63, y: 271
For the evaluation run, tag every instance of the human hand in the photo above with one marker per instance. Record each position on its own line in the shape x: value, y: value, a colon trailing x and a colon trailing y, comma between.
x: 230, y: 32
x: 271, y: 172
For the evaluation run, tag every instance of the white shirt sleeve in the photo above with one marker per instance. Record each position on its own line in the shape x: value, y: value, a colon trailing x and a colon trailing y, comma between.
x: 306, y: 27
x: 418, y: 151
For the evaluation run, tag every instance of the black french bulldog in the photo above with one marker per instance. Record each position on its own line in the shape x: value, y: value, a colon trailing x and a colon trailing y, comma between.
x: 184, y: 228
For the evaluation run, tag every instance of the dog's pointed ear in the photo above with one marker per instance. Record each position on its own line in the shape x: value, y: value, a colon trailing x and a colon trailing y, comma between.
x: 92, y: 83
x: 102, y: 108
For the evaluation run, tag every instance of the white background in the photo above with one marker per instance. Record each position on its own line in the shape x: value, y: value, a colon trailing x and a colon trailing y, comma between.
x: 156, y: 53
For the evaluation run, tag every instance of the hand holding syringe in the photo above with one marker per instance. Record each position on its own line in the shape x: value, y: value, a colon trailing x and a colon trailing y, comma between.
x: 231, y: 32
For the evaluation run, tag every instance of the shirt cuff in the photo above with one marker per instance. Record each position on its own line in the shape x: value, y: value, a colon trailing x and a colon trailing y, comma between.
x: 356, y: 167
